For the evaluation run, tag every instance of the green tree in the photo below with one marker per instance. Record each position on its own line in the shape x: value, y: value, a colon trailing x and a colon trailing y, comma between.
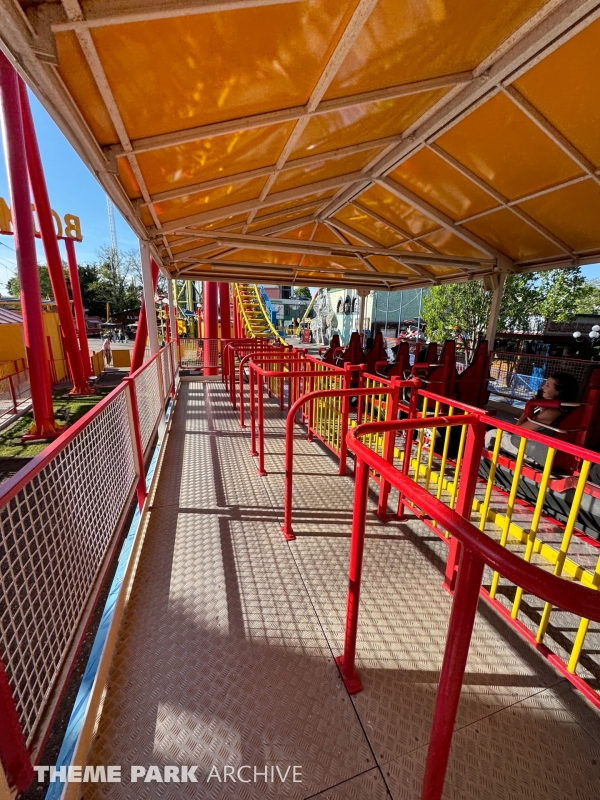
x: 303, y: 292
x: 119, y: 279
x: 13, y: 286
x: 589, y: 303
x: 561, y: 292
x: 462, y: 309
x: 456, y: 310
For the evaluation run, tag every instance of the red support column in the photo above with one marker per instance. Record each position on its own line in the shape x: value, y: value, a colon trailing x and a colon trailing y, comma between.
x: 211, y: 317
x: 50, y: 242
x: 79, y: 310
x: 236, y: 326
x: 225, y: 309
x: 31, y: 306
x: 139, y: 346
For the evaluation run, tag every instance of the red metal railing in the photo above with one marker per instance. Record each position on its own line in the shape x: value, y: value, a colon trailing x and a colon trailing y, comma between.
x: 391, y: 393
x: 478, y: 550
x: 60, y: 519
x: 299, y: 373
x: 15, y: 393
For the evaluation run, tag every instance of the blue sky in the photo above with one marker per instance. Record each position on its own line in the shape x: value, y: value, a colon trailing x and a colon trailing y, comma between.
x: 74, y: 190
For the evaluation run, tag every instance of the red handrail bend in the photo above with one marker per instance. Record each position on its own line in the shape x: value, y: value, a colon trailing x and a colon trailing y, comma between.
x: 477, y: 550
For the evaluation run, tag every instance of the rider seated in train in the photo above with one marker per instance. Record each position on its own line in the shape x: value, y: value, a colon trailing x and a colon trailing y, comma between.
x: 560, y: 386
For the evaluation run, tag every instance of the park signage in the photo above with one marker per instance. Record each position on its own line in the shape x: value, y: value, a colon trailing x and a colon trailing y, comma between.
x: 69, y: 227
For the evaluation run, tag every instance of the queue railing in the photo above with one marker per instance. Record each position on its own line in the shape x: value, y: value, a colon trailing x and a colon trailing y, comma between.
x: 478, y: 551
x: 15, y: 393
x: 520, y: 498
x: 60, y: 522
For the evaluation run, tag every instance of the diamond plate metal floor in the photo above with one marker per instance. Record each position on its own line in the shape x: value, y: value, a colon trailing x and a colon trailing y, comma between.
x: 225, y: 655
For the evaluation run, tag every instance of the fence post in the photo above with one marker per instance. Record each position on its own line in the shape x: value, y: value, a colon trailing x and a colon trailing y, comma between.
x: 344, y: 421
x: 458, y: 639
x: 311, y: 388
x: 466, y: 493
x: 136, y: 439
x: 13, y: 394
x: 253, y: 450
x: 261, y: 423
x: 388, y: 447
x: 412, y: 412
x: 345, y: 662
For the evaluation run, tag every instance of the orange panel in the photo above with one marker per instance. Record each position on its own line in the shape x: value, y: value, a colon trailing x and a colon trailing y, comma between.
x: 512, y: 236
x: 443, y: 271
x: 505, y: 148
x: 450, y: 244
x: 146, y: 216
x: 384, y: 264
x: 304, y: 232
x: 299, y: 176
x: 327, y: 262
x: 266, y: 223
x: 216, y: 157
x: 404, y: 40
x: 565, y: 87
x: 415, y: 247
x: 205, y: 201
x: 192, y: 70
x: 398, y: 212
x: 433, y: 179
x: 220, y: 223
x: 176, y: 249
x: 78, y: 79
x: 208, y: 254
x: 572, y: 213
x: 325, y: 234
x: 363, y: 123
x: 128, y: 179
x: 365, y: 223
x: 299, y: 201
x: 264, y: 257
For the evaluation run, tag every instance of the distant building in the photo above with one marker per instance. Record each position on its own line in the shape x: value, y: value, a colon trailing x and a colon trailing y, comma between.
x: 285, y: 304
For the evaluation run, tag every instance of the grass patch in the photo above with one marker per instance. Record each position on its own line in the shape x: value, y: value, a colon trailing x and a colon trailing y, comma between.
x: 65, y: 410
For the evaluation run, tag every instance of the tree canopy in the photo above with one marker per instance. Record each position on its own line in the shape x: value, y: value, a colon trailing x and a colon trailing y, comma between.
x: 303, y: 292
x: 462, y: 309
x: 116, y: 278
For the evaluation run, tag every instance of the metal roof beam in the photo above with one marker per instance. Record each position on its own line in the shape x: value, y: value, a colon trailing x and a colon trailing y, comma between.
x: 307, y: 161
x: 437, y: 216
x: 101, y: 13
x: 416, y: 269
x: 286, y: 115
x: 242, y: 267
x: 535, y: 43
x: 257, y: 242
x: 249, y: 205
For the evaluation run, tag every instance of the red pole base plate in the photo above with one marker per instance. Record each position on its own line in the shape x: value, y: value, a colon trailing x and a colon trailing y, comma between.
x: 287, y: 535
x: 81, y: 392
x: 352, y: 683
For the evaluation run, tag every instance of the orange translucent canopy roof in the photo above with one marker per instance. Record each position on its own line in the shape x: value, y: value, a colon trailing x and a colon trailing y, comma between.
x: 391, y: 142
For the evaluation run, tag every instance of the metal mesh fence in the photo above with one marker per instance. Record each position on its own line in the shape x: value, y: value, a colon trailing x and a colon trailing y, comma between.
x: 167, y: 373
x: 199, y: 353
x: 15, y: 393
x: 149, y: 401
x: 519, y: 376
x: 54, y: 535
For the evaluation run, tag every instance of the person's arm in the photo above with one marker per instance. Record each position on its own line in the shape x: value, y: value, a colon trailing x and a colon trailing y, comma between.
x: 545, y: 416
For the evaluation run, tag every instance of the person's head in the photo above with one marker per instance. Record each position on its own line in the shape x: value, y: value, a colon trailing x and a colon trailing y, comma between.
x: 561, y: 386
x: 369, y: 343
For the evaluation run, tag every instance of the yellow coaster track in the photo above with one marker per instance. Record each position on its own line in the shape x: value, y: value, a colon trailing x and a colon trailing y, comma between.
x: 255, y: 317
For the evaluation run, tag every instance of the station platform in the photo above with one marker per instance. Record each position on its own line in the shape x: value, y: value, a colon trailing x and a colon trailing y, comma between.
x: 226, y: 651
